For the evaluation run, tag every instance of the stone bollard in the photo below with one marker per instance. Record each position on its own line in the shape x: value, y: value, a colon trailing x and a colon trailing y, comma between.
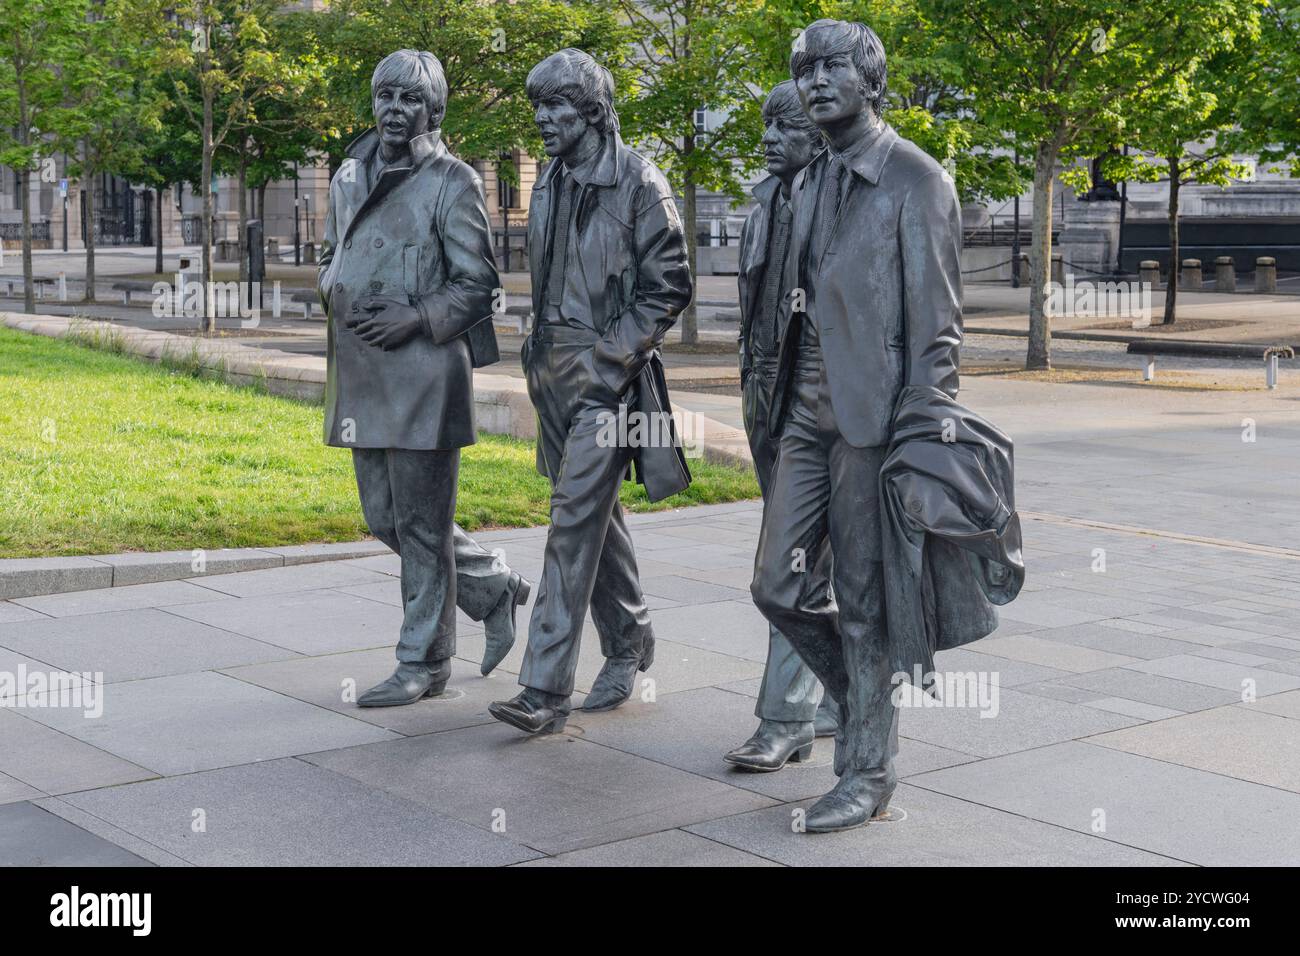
x: 1265, y: 274
x: 309, y: 253
x: 1058, y: 268
x: 1149, y: 273
x: 1225, y: 275
x: 1191, y: 278
x: 272, y: 248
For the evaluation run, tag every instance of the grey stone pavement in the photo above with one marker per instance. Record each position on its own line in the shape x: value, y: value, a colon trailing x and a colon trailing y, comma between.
x: 1147, y: 680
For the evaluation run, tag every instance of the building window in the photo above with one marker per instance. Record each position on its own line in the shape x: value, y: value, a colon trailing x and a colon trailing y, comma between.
x: 701, y: 121
x: 507, y: 192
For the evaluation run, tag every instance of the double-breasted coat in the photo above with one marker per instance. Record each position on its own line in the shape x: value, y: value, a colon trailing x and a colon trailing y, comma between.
x: 422, y: 234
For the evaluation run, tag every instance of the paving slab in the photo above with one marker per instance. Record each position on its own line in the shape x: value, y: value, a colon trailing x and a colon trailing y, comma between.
x: 10, y: 612
x: 128, y: 598
x: 692, y: 730
x: 674, y: 848
x: 1151, y: 689
x: 1213, y: 821
x: 13, y: 790
x: 1040, y: 649
x: 323, y: 681
x: 20, y: 576
x: 554, y: 793
x: 1238, y: 741
x: 934, y: 830
x: 1021, y: 722
x: 291, y: 813
x: 30, y: 836
x: 131, y: 645
x: 1118, y: 640
x: 298, y: 577
x: 1221, y: 674
x: 190, y: 722
x: 55, y: 762
x: 303, y: 622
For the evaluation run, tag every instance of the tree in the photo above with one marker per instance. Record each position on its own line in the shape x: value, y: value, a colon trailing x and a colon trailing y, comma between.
x: 221, y: 65
x: 110, y: 108
x: 36, y: 36
x: 1062, y: 75
x: 1181, y: 131
x: 692, y: 55
x: 1267, y: 101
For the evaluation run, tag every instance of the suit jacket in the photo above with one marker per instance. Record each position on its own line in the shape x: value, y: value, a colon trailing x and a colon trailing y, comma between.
x: 422, y: 234
x: 886, y: 291
x: 950, y: 532
x: 754, y: 239
x: 633, y: 281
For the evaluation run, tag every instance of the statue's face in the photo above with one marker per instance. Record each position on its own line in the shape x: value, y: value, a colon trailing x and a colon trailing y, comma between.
x: 560, y: 123
x: 401, y: 114
x: 788, y: 148
x: 832, y: 90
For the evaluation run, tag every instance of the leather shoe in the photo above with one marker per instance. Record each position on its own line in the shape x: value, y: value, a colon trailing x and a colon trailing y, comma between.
x: 615, y: 682
x: 499, y: 625
x: 409, y: 683
x: 827, y: 719
x: 860, y: 797
x: 772, y: 745
x: 533, y: 711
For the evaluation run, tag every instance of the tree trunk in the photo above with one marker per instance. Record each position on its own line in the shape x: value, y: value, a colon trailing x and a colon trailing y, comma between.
x: 1039, y: 353
x: 158, y: 237
x: 1175, y: 263
x: 91, y: 180
x: 205, y: 253
x: 25, y: 185
x: 689, y: 319
x: 243, y: 221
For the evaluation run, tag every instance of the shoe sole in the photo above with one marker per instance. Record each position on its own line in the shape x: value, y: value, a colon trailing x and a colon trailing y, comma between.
x: 800, y: 755
x: 877, y: 816
x: 433, y: 691
x: 553, y: 726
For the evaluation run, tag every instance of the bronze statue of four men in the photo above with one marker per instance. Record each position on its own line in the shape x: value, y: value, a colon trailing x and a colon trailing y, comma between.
x: 888, y: 531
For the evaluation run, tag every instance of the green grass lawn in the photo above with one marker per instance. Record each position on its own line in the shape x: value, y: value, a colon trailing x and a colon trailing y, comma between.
x: 101, y: 453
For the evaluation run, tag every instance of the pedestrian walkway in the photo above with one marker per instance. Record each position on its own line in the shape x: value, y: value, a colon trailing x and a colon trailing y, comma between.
x: 1140, y: 702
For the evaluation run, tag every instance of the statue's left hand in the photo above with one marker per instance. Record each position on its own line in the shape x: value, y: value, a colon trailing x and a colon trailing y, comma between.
x: 385, y: 322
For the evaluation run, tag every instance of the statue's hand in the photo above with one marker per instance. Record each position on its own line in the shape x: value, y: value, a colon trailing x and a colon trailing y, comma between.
x: 385, y: 322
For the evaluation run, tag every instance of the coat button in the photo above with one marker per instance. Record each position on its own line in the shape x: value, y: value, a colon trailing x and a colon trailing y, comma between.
x: 338, y: 288
x: 355, y: 307
x: 376, y: 286
x: 379, y: 243
x: 347, y: 243
x: 914, y: 506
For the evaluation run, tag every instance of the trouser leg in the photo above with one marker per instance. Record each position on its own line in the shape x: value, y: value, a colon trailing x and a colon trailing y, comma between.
x: 481, y: 576
x: 618, y: 607
x: 793, y: 534
x: 789, y: 692
x: 868, y: 714
x: 586, y: 475
x: 409, y: 500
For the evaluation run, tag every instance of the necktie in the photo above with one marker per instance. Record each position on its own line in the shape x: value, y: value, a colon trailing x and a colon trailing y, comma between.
x: 828, y: 205
x: 560, y: 247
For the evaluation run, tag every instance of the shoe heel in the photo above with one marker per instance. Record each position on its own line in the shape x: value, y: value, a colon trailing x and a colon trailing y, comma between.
x: 522, y: 591
x: 882, y: 806
x: 555, y: 726
x: 802, y: 754
x: 435, y: 689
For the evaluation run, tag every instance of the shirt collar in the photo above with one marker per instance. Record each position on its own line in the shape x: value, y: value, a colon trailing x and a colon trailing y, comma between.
x: 867, y: 156
x: 599, y: 169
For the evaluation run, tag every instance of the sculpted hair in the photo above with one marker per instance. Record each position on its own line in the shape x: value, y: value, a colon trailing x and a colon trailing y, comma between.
x: 578, y: 78
x: 783, y: 103
x: 826, y: 37
x: 414, y: 69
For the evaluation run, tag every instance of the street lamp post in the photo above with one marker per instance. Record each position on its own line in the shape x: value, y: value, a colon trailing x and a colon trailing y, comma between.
x: 297, y: 235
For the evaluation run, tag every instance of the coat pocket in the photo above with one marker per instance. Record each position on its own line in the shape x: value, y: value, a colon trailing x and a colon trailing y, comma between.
x: 411, y: 269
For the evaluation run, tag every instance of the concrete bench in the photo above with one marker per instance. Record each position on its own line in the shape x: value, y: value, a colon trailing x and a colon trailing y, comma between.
x: 1150, y: 348
x: 40, y: 282
x: 129, y: 286
x: 308, y: 299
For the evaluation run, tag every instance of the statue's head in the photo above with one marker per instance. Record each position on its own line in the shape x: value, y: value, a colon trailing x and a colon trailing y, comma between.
x: 571, y: 93
x: 839, y: 68
x: 408, y: 91
x: 790, y: 138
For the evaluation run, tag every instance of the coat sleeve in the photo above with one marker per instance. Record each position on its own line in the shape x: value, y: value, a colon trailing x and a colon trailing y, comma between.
x: 930, y: 238
x: 746, y: 305
x: 465, y: 298
x: 662, y: 289
x: 328, y: 243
